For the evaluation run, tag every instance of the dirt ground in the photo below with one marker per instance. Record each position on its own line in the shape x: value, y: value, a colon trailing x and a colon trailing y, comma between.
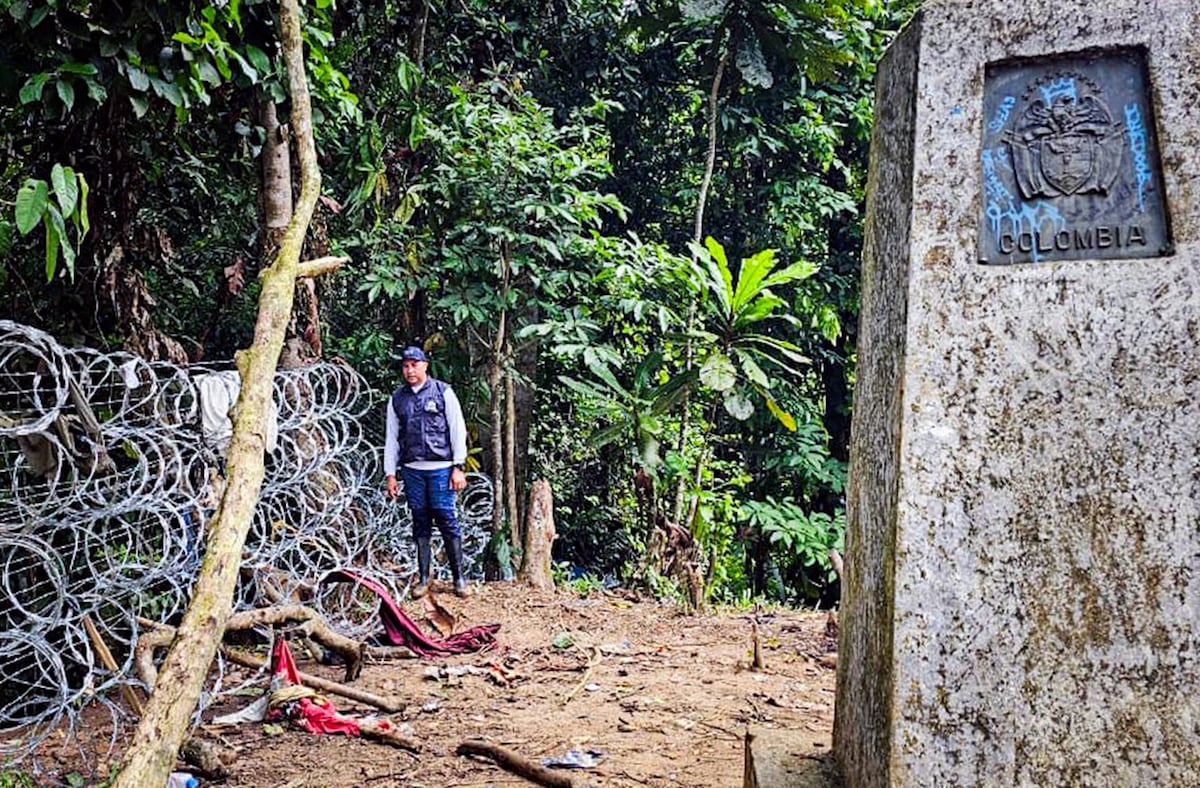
x: 655, y: 696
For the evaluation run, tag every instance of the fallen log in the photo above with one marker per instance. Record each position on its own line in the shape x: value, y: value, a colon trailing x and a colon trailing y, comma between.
x: 390, y: 705
x: 311, y: 624
x: 517, y: 764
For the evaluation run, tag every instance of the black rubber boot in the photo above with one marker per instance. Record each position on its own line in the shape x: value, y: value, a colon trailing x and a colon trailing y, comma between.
x: 454, y: 553
x: 424, y: 555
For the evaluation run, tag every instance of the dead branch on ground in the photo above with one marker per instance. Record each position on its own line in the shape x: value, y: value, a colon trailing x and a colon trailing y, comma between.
x: 517, y: 764
x: 389, y: 705
x: 311, y: 625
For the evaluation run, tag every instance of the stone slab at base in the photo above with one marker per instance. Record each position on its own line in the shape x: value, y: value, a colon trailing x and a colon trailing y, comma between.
x: 779, y: 759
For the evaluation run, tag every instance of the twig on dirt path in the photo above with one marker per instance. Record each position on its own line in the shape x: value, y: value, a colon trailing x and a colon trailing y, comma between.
x: 389, y: 705
x: 756, y: 646
x: 517, y: 764
x: 587, y: 674
x: 726, y: 731
x: 388, y: 653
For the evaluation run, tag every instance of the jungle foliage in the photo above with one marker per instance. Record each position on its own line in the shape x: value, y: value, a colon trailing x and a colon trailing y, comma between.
x: 627, y: 232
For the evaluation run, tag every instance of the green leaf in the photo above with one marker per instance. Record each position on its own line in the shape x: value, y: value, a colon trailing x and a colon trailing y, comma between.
x: 31, y: 91
x: 749, y: 284
x: 168, y: 90
x: 794, y: 272
x: 31, y: 204
x: 96, y: 92
x: 84, y: 224
x: 66, y: 93
x: 52, y: 242
x: 207, y: 72
x: 138, y: 79
x: 259, y: 58
x: 720, y: 278
x: 65, y: 188
x: 141, y: 104
x: 718, y: 372
x: 758, y: 309
x: 753, y: 371
x: 77, y: 68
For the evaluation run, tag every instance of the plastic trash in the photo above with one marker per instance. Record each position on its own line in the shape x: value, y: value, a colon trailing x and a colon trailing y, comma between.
x: 574, y: 759
x: 182, y: 780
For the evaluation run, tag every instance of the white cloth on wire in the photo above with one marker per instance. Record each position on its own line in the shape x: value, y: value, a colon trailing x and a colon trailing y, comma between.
x: 218, y: 393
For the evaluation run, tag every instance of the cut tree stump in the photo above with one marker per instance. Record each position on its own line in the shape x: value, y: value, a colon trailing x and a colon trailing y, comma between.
x: 539, y: 537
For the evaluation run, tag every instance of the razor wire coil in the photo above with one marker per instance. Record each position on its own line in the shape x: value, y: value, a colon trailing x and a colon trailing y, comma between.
x: 109, y: 476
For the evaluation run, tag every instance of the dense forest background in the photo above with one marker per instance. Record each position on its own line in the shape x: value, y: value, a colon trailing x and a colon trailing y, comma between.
x: 627, y: 232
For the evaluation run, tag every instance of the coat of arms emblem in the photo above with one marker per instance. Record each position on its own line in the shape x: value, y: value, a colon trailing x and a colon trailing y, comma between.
x: 1066, y: 141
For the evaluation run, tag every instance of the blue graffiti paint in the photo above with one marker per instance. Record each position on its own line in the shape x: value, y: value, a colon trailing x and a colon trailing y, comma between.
x: 1002, y: 113
x: 1009, y: 217
x: 1136, y: 130
x: 1063, y: 86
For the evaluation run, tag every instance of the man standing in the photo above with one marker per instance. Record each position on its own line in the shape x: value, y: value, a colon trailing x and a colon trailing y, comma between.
x: 427, y: 438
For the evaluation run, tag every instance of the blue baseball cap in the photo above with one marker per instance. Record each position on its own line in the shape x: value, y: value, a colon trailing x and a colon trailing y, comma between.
x: 413, y: 354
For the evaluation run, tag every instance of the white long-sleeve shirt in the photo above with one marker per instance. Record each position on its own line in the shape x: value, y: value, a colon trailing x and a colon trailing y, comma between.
x: 454, y: 420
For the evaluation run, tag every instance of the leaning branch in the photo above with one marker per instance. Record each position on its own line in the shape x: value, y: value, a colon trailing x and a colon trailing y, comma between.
x: 322, y: 265
x: 162, y: 728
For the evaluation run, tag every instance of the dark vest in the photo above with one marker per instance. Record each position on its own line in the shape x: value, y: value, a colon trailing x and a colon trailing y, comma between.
x: 424, y: 432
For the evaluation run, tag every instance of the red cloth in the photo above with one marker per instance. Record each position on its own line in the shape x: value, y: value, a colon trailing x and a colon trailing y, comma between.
x: 402, y: 631
x: 313, y: 714
x: 283, y: 664
x: 317, y: 718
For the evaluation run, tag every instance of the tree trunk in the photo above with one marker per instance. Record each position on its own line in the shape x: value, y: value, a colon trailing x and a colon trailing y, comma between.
x: 162, y: 729
x: 275, y: 197
x: 496, y: 415
x: 710, y: 163
x: 536, y: 562
x: 510, y: 440
x: 418, y: 13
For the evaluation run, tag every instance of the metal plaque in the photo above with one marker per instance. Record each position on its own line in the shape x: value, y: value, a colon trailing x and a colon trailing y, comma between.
x: 1070, y: 160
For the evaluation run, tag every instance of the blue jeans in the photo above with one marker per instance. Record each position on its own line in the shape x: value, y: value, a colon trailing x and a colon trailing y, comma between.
x: 431, y: 501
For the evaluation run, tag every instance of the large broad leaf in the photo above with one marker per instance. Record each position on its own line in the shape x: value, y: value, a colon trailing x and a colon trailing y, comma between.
x: 583, y: 388
x: 753, y: 371
x: 750, y: 277
x: 718, y: 372
x: 779, y: 352
x: 66, y: 93
x: 31, y: 204
x: 758, y: 309
x: 719, y: 277
x: 668, y: 395
x: 794, y: 272
x: 31, y: 91
x: 66, y: 188
x: 739, y: 406
x: 785, y: 418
